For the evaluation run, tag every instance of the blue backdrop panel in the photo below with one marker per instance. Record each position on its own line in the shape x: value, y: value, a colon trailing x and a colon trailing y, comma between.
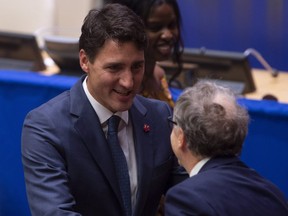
x: 19, y: 93
x: 235, y: 25
x: 266, y: 146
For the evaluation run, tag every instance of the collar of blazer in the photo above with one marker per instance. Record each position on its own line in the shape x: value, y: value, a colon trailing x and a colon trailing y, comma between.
x: 220, y: 161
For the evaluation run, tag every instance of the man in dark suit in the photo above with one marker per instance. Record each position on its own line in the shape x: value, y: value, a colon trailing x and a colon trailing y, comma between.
x: 68, y: 165
x: 207, y: 137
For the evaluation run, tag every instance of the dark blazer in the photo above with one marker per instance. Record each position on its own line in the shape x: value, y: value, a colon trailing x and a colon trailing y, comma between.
x: 68, y: 166
x: 225, y: 187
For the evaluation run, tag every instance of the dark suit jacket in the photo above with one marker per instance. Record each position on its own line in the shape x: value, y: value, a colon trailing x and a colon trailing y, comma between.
x: 225, y: 187
x: 68, y: 166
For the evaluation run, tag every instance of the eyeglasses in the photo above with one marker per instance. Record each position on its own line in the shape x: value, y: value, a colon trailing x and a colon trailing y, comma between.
x: 171, y: 122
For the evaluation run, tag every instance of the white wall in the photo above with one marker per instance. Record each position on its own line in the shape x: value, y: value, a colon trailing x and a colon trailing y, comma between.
x: 28, y: 16
x: 70, y: 13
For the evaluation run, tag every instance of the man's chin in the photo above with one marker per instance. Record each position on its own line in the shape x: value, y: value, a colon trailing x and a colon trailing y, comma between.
x: 123, y: 106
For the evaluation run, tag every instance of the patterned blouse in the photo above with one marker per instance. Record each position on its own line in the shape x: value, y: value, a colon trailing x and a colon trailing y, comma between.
x: 163, y: 94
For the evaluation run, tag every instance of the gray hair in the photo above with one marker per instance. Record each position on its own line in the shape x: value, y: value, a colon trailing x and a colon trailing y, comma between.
x: 213, y: 122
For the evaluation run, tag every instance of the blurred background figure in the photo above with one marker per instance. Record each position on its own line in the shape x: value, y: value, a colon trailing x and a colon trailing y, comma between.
x: 162, y: 20
x: 209, y: 129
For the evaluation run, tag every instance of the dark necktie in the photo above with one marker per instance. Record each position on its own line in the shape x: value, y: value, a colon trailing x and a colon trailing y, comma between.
x: 119, y: 163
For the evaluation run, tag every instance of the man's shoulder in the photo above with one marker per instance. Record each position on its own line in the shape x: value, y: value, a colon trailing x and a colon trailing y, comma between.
x: 152, y: 105
x: 149, y: 101
x: 63, y: 99
x: 54, y: 104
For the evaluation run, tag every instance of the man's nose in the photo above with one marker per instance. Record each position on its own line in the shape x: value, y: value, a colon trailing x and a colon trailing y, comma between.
x: 126, y: 79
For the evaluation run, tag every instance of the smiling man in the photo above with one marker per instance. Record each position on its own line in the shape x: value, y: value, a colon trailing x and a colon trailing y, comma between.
x: 69, y: 162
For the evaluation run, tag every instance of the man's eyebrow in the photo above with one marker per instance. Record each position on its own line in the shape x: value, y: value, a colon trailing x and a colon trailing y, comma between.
x: 139, y: 62
x: 112, y: 63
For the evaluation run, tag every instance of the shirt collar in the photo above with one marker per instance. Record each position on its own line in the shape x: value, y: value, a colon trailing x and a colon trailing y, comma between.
x: 198, y: 166
x: 103, y: 113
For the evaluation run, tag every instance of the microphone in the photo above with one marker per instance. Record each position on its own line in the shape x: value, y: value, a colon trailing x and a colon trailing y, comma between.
x: 258, y: 56
x: 270, y: 97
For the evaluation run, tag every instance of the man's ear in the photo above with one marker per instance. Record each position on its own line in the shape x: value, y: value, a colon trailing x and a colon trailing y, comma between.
x: 83, y: 60
x: 181, y: 138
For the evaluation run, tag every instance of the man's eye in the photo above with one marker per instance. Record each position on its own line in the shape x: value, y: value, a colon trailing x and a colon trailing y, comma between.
x: 114, y: 68
x: 138, y: 66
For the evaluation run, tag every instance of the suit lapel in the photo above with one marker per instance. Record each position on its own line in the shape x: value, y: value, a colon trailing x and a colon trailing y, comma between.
x: 143, y: 133
x: 89, y: 128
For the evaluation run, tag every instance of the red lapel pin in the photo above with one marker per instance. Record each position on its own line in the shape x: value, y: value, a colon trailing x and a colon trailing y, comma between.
x: 146, y: 128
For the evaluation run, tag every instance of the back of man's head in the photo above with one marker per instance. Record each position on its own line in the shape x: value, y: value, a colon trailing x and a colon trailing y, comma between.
x: 212, y: 121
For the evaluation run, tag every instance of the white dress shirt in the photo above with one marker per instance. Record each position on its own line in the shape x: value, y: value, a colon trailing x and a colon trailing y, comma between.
x: 198, y: 166
x: 125, y: 136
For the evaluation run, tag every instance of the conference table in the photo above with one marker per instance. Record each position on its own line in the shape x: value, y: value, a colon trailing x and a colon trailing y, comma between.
x: 265, y: 148
x: 266, y: 84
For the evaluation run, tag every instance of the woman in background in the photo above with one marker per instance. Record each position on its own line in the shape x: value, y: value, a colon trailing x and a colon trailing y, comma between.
x: 162, y: 20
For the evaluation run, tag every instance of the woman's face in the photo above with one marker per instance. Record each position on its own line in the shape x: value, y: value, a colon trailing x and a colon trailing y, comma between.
x: 162, y: 30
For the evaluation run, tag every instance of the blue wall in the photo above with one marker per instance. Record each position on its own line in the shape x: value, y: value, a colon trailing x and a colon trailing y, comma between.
x: 235, y: 25
x: 19, y: 93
